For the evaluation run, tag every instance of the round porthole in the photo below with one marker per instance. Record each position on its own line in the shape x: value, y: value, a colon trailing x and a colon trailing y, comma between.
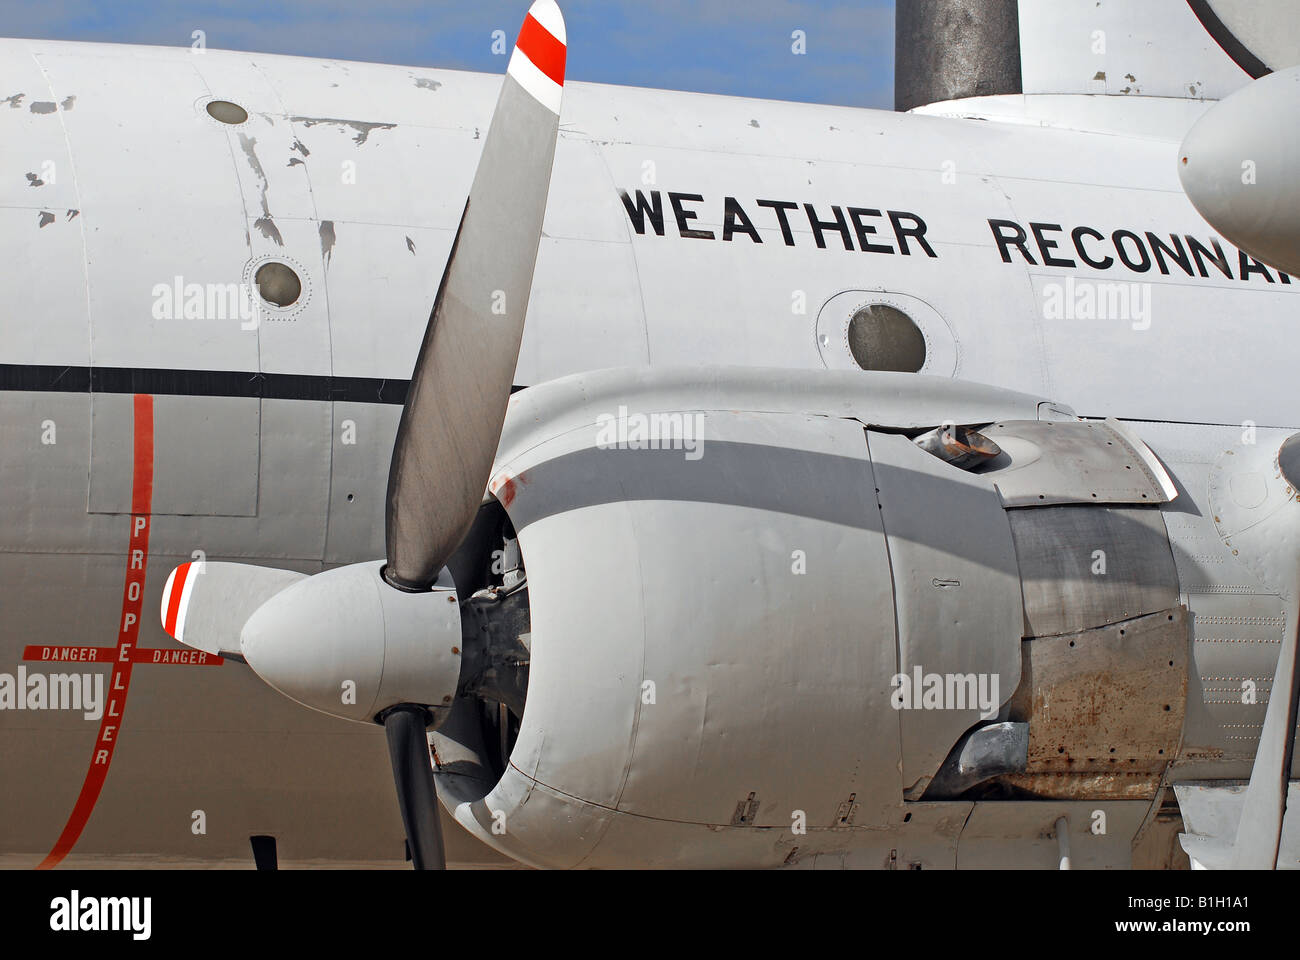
x: 1288, y: 460
x: 226, y: 112
x: 278, y: 284
x: 879, y: 330
x: 882, y: 337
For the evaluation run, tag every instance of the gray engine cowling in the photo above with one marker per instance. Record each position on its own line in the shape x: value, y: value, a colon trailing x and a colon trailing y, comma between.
x: 732, y: 576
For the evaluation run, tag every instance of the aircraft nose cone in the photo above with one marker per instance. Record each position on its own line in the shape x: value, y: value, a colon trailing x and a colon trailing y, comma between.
x: 1240, y: 167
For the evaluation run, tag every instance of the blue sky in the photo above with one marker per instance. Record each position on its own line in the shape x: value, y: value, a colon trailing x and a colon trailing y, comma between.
x: 737, y: 47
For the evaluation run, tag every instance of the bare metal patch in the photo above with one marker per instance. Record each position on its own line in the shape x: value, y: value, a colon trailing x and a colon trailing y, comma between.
x: 46, y: 218
x: 267, y: 228
x: 327, y: 240
x: 43, y: 106
x: 249, y: 146
x: 363, y: 128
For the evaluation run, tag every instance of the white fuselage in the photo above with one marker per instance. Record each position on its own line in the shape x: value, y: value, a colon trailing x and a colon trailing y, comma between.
x: 750, y: 233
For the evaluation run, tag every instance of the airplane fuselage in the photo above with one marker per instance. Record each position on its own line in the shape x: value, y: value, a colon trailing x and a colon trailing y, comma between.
x: 681, y: 229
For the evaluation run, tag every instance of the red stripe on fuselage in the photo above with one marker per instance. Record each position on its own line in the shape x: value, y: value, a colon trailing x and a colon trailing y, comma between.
x: 128, y: 628
x: 541, y: 47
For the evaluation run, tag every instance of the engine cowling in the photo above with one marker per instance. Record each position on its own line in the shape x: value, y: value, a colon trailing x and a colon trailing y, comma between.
x: 741, y: 585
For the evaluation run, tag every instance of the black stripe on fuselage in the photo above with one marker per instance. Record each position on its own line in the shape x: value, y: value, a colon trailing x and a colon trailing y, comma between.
x: 58, y: 378
x: 199, y: 383
x: 1226, y: 39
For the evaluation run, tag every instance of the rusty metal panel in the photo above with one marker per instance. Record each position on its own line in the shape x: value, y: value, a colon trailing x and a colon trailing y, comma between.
x: 1049, y: 462
x: 1105, y: 707
x: 1086, y: 566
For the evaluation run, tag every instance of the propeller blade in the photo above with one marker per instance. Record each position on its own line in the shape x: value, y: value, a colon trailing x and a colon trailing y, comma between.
x: 404, y: 643
x: 205, y: 604
x: 451, y: 423
x: 408, y: 749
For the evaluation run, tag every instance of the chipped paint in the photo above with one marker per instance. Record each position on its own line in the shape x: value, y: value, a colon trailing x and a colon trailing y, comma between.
x: 43, y: 106
x: 362, y: 127
x: 69, y: 102
x: 72, y: 214
x: 296, y: 162
x: 1099, y: 75
x: 753, y: 123
x: 15, y: 101
x: 327, y: 239
x: 267, y: 228
x: 264, y: 224
x: 505, y: 488
x: 34, y: 181
x: 424, y: 84
x: 300, y: 147
x: 410, y: 245
x: 249, y: 146
x: 46, y: 218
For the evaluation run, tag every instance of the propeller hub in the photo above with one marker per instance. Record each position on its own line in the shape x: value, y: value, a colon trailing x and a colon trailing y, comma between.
x: 346, y: 643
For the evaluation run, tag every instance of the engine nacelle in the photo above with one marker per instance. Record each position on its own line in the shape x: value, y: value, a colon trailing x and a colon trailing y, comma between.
x: 764, y: 620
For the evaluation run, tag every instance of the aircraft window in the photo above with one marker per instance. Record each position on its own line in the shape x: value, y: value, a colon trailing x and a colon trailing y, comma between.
x: 1288, y: 460
x: 278, y: 284
x: 882, y: 337
x: 227, y: 112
